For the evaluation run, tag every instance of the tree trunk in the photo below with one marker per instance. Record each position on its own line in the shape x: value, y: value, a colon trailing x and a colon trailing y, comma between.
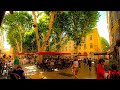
x: 52, y: 15
x: 37, y: 35
x: 21, y: 40
x: 17, y: 44
x: 36, y: 30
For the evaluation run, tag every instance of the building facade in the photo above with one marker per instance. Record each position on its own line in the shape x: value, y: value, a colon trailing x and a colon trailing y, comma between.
x: 91, y: 44
x: 113, y: 21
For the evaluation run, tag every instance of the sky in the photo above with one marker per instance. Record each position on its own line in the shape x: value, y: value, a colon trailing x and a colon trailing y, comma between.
x: 101, y: 25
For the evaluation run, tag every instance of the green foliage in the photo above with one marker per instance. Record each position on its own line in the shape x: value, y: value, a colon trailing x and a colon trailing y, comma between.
x: 29, y: 41
x: 68, y: 25
x: 81, y: 23
x: 104, y: 44
x: 30, y: 37
x: 74, y: 25
x: 14, y: 24
x: 11, y: 36
x: 43, y: 23
x: 19, y: 18
x: 58, y: 35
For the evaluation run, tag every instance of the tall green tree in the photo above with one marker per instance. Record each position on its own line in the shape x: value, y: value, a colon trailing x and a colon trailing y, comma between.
x: 76, y: 24
x: 16, y: 25
x: 41, y: 46
x: 82, y: 22
x: 104, y: 44
x: 59, y: 36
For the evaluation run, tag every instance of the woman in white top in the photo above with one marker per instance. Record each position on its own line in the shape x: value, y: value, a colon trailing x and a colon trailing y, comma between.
x: 75, y: 67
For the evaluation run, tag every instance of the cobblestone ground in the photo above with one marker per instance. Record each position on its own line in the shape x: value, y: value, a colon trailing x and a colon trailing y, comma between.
x: 83, y: 73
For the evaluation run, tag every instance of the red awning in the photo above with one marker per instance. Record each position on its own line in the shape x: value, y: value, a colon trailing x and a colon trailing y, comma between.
x: 28, y: 53
x: 51, y: 53
x: 66, y: 53
x: 20, y: 53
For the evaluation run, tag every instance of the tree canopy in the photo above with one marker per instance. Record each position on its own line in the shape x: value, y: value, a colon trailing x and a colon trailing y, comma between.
x: 76, y: 24
x: 104, y: 44
x: 52, y: 28
x: 16, y: 25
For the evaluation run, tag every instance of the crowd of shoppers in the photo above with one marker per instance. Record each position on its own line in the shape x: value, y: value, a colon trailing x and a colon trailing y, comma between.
x: 11, y: 68
x: 49, y: 64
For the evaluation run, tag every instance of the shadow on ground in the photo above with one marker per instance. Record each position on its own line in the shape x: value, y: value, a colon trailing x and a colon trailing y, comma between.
x: 65, y: 74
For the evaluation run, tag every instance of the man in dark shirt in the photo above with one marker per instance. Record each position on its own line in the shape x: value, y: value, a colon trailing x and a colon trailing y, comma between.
x: 20, y: 72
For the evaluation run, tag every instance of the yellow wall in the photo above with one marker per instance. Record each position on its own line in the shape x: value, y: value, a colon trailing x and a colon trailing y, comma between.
x: 9, y: 52
x: 69, y: 47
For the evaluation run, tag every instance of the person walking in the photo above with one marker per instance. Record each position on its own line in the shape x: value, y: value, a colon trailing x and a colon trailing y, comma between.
x: 89, y: 64
x: 75, y: 67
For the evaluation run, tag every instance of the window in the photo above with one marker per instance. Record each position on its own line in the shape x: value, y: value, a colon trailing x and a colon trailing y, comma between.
x: 63, y: 49
x: 79, y: 48
x: 84, y: 46
x: 90, y: 37
x: 69, y: 46
x: 91, y: 46
x: 85, y: 53
x: 69, y: 49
